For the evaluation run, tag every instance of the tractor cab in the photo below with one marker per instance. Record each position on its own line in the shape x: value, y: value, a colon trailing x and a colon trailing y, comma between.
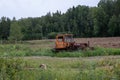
x: 68, y: 38
x: 63, y: 41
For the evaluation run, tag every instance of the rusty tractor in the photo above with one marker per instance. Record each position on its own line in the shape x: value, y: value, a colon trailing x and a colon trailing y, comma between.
x: 66, y: 42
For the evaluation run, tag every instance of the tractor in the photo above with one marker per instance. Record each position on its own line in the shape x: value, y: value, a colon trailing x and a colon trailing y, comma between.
x: 66, y: 42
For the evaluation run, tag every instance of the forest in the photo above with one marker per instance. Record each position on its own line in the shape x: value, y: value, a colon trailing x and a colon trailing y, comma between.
x: 82, y: 21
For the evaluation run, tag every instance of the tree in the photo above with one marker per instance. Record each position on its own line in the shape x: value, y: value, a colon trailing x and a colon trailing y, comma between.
x: 4, y: 28
x: 82, y: 21
x: 117, y: 8
x: 100, y: 22
x: 107, y: 6
x: 38, y: 31
x: 15, y: 31
x: 114, y: 26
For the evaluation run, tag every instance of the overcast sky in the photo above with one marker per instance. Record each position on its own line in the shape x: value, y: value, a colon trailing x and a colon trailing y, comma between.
x: 37, y: 8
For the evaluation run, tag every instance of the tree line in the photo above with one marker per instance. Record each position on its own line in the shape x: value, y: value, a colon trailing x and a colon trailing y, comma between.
x: 82, y: 21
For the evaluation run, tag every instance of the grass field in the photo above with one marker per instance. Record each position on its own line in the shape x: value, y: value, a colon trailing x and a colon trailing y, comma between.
x: 29, y: 49
x: 87, y: 68
x: 21, y: 61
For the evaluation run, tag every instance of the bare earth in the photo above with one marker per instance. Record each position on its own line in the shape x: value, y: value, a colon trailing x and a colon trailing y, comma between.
x: 110, y: 42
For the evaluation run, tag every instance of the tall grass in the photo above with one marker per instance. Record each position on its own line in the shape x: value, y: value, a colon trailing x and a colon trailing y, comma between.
x: 25, y: 50
x: 72, y: 69
x: 59, y: 69
x: 8, y: 50
x: 99, y: 51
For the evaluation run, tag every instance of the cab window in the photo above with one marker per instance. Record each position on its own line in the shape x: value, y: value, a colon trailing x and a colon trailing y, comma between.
x: 69, y: 39
x: 60, y: 39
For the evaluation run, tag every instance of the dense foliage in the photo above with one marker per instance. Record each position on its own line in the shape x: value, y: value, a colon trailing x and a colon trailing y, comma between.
x: 10, y: 68
x: 82, y: 21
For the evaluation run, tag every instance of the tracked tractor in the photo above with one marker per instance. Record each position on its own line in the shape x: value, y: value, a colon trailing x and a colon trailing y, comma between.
x: 66, y: 42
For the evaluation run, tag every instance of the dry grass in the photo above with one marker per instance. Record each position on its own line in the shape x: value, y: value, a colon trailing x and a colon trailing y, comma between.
x: 43, y: 44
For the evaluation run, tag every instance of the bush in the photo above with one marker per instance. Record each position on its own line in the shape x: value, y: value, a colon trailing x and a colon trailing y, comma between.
x: 10, y: 68
x: 52, y: 35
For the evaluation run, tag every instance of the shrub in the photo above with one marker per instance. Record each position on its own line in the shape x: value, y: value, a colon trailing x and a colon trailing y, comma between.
x: 52, y: 35
x: 10, y: 68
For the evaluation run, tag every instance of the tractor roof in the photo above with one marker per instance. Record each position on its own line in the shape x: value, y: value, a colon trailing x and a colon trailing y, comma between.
x: 60, y: 35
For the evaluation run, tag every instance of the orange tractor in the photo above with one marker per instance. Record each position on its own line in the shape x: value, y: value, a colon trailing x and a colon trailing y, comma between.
x: 66, y: 42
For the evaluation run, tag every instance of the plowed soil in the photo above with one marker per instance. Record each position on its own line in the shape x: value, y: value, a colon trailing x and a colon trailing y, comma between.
x: 110, y: 42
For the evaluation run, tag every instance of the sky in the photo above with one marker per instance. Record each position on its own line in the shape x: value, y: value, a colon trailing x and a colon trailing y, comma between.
x: 38, y: 8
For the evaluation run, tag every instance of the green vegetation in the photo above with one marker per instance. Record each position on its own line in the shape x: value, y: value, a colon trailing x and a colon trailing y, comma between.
x: 27, y: 68
x: 82, y: 21
x: 25, y: 50
x: 21, y: 61
x: 10, y: 68
x: 17, y: 61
